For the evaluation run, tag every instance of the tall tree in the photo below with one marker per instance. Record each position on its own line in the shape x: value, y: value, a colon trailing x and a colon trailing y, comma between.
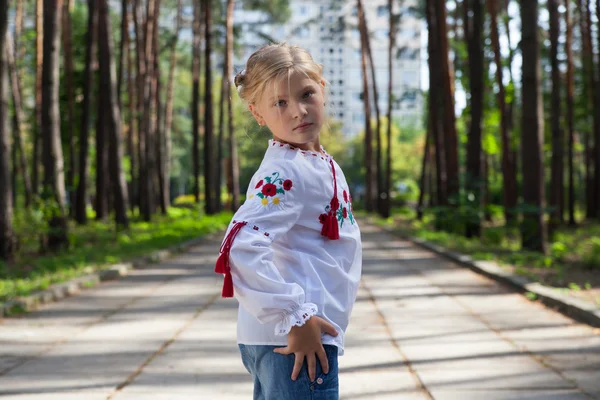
x: 370, y: 177
x: 88, y: 94
x: 54, y: 178
x: 6, y: 206
x: 123, y: 53
x: 210, y: 195
x: 387, y: 202
x: 142, y: 183
x: 133, y: 126
x: 159, y: 117
x: 70, y: 93
x: 450, y: 136
x: 169, y: 106
x: 556, y: 183
x: 234, y: 173
x: 15, y: 81
x: 434, y: 104
x: 473, y: 27
x: 108, y: 84
x: 509, y: 176
x: 597, y: 118
x: 532, y: 127
x: 570, y: 106
x: 378, y: 162
x: 590, y: 96
x: 39, y: 61
x: 196, y: 49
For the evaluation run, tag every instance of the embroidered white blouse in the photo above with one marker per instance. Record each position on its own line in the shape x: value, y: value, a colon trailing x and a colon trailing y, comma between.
x: 293, y: 249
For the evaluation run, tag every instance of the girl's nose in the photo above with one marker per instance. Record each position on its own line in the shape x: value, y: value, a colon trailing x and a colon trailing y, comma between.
x: 300, y: 111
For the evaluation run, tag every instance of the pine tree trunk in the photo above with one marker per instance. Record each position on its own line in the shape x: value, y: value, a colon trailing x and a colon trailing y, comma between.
x: 169, y: 105
x: 509, y: 192
x: 124, y: 45
x: 197, y: 24
x: 6, y: 197
x: 54, y: 178
x: 450, y: 136
x: 233, y: 153
x: 108, y: 81
x: 570, y: 110
x: 474, y: 183
x: 556, y: 184
x: 70, y: 93
x: 102, y: 175
x: 159, y: 122
x: 370, y: 176
x: 15, y: 84
x: 533, y: 228
x: 597, y: 126
x: 133, y: 128
x: 88, y: 94
x: 435, y: 108
x: 149, y: 115
x: 142, y: 188
x: 39, y: 62
x: 424, y: 173
x: 378, y: 163
x: 209, y: 147
x: 387, y: 188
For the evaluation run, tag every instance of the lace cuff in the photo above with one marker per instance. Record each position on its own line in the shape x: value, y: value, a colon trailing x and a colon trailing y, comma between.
x: 296, y: 317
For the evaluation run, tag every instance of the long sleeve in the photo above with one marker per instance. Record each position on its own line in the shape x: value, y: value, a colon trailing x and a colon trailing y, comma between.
x: 274, y: 203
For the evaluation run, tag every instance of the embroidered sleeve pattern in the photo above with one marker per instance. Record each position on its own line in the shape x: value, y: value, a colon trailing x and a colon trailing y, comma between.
x: 296, y: 317
x: 271, y: 190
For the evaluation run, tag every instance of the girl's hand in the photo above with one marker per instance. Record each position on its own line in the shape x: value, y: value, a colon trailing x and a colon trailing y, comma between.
x: 305, y: 341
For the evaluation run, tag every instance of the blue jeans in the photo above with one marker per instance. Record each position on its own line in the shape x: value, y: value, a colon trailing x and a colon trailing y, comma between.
x: 272, y: 375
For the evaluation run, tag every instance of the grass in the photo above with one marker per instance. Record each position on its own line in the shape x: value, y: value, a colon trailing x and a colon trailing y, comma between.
x: 98, y: 245
x: 572, y: 262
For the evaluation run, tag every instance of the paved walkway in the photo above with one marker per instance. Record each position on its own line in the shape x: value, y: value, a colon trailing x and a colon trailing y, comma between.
x: 421, y: 329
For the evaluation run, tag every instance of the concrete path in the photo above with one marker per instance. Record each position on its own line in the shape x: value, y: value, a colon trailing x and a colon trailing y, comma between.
x: 422, y: 328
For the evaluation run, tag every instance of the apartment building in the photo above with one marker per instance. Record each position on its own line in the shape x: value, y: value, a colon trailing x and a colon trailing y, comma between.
x: 328, y: 29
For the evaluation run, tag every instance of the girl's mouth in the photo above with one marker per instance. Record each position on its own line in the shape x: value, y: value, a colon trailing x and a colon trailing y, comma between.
x: 303, y: 126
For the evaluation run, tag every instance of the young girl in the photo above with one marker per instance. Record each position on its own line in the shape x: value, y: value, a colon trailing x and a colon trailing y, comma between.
x: 292, y: 254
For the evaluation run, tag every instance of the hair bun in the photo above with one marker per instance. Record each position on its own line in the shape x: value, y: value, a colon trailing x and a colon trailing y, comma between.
x: 240, y: 78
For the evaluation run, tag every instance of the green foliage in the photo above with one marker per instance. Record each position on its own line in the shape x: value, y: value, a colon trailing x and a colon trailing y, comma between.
x: 591, y: 252
x: 98, y: 244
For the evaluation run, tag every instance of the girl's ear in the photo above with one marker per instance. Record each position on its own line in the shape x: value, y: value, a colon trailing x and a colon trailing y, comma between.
x: 254, y: 110
x: 323, y: 83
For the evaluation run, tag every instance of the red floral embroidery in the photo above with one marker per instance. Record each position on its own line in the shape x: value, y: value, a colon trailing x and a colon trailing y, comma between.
x: 287, y: 184
x: 335, y: 203
x: 345, y: 196
x: 269, y: 189
x: 259, y: 184
x: 345, y: 212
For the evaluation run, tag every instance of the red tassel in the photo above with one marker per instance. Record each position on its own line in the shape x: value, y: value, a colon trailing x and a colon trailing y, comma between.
x: 331, y: 228
x: 222, y: 265
x: 227, y: 286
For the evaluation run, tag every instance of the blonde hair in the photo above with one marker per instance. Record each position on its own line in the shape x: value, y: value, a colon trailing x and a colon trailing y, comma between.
x: 271, y: 63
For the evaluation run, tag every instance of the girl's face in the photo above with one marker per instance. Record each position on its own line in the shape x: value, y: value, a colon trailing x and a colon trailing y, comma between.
x: 293, y: 109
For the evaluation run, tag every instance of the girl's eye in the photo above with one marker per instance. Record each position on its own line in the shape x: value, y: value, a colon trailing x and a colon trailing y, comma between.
x: 308, y: 94
x: 279, y: 103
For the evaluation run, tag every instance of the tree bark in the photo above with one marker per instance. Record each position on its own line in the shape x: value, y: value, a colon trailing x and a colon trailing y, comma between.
x: 149, y: 114
x: 108, y: 80
x: 124, y: 45
x: 209, y: 147
x: 54, y: 178
x: 533, y: 230
x: 142, y: 188
x: 450, y: 136
x: 133, y: 127
x: 378, y: 163
x: 387, y: 202
x: 370, y: 176
x: 6, y: 197
x: 197, y: 24
x: 589, y: 89
x: 509, y: 192
x: 434, y: 106
x: 233, y: 152
x: 39, y: 62
x: 70, y: 93
x: 557, y: 167
x: 158, y: 115
x: 474, y: 183
x: 15, y: 82
x: 570, y: 109
x: 88, y: 94
x: 424, y: 173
